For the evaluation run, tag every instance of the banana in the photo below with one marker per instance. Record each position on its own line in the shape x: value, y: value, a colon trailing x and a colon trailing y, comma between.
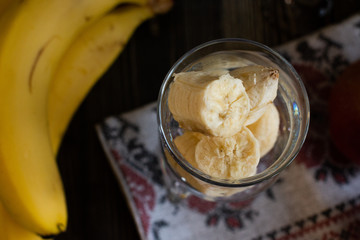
x: 209, y: 104
x: 186, y: 145
x: 266, y: 129
x: 88, y: 57
x: 229, y: 158
x: 255, y: 114
x: 158, y: 7
x: 34, y: 36
x: 261, y: 84
x: 11, y: 230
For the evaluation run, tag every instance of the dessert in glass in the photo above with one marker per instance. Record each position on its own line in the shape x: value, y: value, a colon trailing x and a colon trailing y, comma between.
x: 232, y: 115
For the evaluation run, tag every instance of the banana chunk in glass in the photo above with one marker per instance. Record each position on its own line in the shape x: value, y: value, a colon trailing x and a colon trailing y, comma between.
x: 221, y: 157
x: 228, y: 158
x: 213, y: 105
x: 266, y: 129
x: 261, y: 84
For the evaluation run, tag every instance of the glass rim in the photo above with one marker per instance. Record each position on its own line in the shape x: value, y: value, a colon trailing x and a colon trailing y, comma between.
x: 269, y: 172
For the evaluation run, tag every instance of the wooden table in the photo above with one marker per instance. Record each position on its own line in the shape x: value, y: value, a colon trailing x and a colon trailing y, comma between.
x: 97, y: 207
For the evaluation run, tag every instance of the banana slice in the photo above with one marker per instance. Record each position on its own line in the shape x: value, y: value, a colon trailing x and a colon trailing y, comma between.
x: 213, y: 105
x: 186, y: 144
x: 255, y: 114
x: 228, y: 158
x: 261, y: 84
x: 266, y: 129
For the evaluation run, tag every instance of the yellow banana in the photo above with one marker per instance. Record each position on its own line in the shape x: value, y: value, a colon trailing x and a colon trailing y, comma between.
x: 35, y: 34
x: 11, y: 230
x: 86, y: 60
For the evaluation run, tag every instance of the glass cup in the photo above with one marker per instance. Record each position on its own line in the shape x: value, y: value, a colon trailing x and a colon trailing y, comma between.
x: 180, y: 177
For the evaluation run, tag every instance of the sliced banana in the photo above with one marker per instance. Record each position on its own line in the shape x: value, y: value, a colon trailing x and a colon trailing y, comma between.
x: 186, y: 144
x: 228, y: 157
x: 255, y: 114
x: 261, y: 84
x: 213, y: 105
x: 266, y: 129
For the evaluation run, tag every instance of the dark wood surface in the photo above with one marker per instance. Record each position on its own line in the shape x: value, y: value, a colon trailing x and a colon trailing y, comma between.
x: 97, y: 207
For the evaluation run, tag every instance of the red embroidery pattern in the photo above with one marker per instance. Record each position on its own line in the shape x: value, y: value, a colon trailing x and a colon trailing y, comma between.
x: 346, y: 215
x: 143, y: 195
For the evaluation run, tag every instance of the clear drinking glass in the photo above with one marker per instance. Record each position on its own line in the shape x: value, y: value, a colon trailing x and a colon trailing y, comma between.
x: 180, y: 177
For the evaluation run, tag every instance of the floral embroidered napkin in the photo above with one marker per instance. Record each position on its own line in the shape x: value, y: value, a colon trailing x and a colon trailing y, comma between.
x: 317, y: 197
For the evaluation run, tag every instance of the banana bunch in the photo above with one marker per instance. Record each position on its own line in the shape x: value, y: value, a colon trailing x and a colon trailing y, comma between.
x: 228, y: 117
x: 51, y: 54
